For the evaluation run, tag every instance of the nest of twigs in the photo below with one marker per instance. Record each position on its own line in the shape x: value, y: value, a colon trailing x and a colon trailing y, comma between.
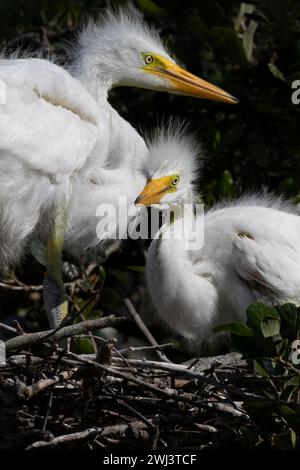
x: 53, y: 398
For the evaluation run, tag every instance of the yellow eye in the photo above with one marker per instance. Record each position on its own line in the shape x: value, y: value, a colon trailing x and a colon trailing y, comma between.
x: 175, y: 180
x: 148, y: 59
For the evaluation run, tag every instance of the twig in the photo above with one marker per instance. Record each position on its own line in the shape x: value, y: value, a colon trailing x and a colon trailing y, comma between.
x: 131, y: 428
x: 137, y: 413
x: 8, y: 328
x: 146, y: 348
x: 91, y: 432
x: 50, y: 398
x: 170, y: 393
x: 28, y: 340
x: 119, y: 353
x: 18, y: 327
x: 30, y: 288
x: 166, y: 366
x: 114, y: 430
x: 156, y: 365
x: 70, y: 319
x: 24, y: 287
x: 144, y: 329
x: 30, y: 390
x: 228, y: 409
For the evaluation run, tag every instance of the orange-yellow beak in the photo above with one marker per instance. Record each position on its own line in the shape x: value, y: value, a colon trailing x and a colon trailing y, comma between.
x: 186, y: 83
x: 154, y: 191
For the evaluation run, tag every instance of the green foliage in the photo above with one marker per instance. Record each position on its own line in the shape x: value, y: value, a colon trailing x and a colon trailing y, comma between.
x: 268, y: 335
x: 270, y: 339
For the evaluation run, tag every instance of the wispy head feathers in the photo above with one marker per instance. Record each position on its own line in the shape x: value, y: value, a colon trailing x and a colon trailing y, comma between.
x: 173, y: 148
x: 115, y: 24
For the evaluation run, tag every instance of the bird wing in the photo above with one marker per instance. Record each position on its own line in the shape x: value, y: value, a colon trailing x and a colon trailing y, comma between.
x: 48, y: 121
x: 269, y: 262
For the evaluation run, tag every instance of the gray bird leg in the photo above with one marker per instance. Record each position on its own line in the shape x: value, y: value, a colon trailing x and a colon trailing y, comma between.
x: 54, y: 292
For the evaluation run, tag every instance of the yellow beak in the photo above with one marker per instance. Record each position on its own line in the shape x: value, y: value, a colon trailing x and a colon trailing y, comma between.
x: 188, y: 84
x: 154, y: 191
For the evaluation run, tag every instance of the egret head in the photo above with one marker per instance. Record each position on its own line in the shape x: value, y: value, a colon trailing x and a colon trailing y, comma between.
x: 171, y: 168
x: 120, y: 49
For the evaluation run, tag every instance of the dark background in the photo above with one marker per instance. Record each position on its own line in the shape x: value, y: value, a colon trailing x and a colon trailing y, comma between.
x: 250, y: 50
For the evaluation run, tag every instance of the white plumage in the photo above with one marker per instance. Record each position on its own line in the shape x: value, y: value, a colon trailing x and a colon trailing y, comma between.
x: 63, y: 151
x: 251, y: 250
x: 63, y: 143
x: 54, y: 147
x: 48, y: 128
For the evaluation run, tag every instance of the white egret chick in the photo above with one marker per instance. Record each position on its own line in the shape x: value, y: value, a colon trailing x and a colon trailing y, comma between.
x: 251, y: 248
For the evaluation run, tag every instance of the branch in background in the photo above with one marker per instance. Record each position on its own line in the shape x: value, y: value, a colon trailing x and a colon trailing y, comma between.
x: 8, y: 328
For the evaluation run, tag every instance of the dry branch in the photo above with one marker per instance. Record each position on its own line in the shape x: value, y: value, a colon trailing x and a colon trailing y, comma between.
x: 88, y: 433
x: 25, y: 341
x: 145, y: 330
x: 21, y: 390
x: 170, y: 393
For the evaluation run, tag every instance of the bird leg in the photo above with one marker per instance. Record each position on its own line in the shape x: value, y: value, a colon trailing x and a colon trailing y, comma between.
x: 54, y: 292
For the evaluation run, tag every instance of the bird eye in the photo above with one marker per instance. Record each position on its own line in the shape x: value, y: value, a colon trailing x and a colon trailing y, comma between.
x: 148, y: 59
x: 175, y: 180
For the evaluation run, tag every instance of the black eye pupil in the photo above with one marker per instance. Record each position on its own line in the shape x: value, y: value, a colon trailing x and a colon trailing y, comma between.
x: 149, y: 59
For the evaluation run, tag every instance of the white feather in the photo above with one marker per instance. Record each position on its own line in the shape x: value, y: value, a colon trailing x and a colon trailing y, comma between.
x: 251, y: 252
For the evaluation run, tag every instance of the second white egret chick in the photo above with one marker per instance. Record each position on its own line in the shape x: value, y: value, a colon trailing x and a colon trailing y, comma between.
x: 251, y: 248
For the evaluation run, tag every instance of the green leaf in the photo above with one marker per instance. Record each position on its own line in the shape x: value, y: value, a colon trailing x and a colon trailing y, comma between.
x: 226, y: 185
x: 261, y: 369
x: 102, y: 277
x: 270, y: 327
x: 248, y: 39
x: 276, y: 72
x: 291, y: 416
x: 39, y: 251
x: 137, y: 269
x: 289, y: 319
x: 263, y: 319
x: 282, y: 347
x: 236, y: 328
x: 86, y: 307
x: 293, y: 382
x: 293, y: 439
x: 83, y: 346
x: 247, y: 34
x: 150, y: 7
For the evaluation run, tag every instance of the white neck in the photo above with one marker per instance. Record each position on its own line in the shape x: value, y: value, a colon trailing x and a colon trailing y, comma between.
x: 96, y: 77
x: 171, y: 279
x: 167, y: 270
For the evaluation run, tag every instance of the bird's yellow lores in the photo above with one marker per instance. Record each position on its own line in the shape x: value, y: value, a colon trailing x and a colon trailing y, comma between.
x: 156, y: 189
